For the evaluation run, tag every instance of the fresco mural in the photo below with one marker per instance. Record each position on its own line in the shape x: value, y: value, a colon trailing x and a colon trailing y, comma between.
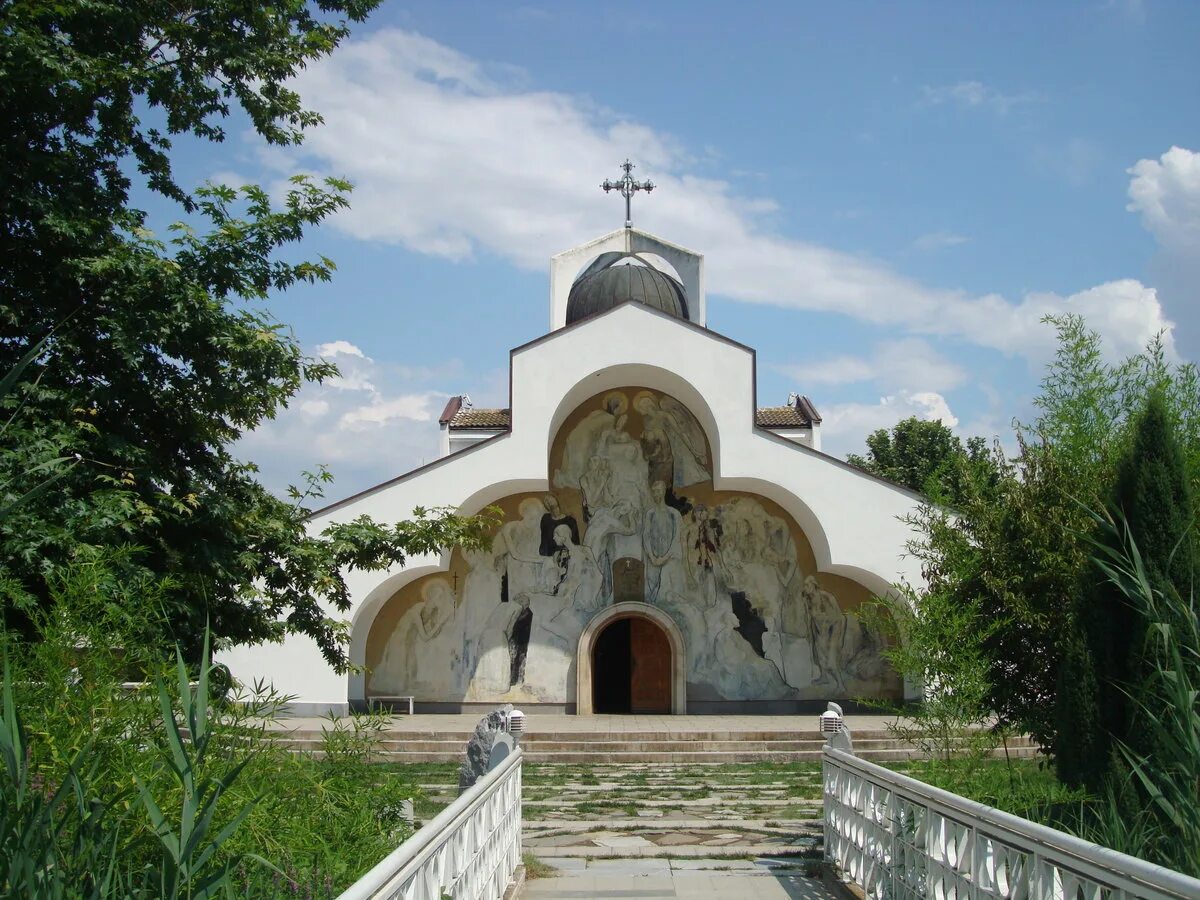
x: 632, y: 515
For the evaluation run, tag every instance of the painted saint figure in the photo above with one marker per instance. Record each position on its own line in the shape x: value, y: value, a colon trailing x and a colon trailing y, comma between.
x: 827, y: 624
x: 703, y: 552
x: 414, y: 657
x: 661, y: 531
x: 579, y: 590
x: 594, y: 486
x: 669, y: 418
x: 584, y: 440
x: 553, y: 518
x: 517, y: 551
x: 499, y: 646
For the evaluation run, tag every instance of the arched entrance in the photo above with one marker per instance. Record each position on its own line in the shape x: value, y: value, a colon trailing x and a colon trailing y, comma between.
x: 631, y: 668
x: 631, y: 660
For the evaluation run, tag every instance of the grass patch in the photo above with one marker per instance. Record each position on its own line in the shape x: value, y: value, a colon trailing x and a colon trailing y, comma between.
x: 1023, y: 787
x: 535, y: 868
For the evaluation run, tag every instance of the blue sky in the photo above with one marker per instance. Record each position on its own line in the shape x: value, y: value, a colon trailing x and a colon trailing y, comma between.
x: 889, y: 197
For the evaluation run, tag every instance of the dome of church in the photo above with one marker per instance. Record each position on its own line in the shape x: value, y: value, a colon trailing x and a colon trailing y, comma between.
x: 617, y: 278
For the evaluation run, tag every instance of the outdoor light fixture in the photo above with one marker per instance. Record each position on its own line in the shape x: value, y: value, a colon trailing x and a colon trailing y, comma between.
x: 831, y: 720
x: 516, y: 723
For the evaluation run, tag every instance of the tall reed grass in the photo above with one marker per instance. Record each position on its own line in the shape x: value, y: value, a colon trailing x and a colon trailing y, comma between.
x: 163, y: 788
x: 1151, y: 807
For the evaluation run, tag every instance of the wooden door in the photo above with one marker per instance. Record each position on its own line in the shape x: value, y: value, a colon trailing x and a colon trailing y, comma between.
x: 650, y: 668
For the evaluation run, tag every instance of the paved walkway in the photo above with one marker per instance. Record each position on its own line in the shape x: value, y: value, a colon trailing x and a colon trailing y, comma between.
x: 660, y: 879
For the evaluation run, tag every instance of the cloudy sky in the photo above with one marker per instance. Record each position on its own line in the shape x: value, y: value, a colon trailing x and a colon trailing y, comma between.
x: 890, y: 197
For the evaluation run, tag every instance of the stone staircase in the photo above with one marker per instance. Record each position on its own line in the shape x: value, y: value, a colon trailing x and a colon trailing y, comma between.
x: 641, y: 747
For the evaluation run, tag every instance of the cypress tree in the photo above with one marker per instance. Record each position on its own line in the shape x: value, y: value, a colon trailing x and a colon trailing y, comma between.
x: 1080, y: 746
x: 1151, y: 493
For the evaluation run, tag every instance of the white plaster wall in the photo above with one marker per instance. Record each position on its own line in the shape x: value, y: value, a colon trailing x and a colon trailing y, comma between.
x: 851, y: 519
x: 810, y: 437
x: 464, y: 439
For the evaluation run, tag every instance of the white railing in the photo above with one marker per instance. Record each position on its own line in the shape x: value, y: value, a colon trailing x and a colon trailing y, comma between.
x: 897, y: 837
x: 468, y: 852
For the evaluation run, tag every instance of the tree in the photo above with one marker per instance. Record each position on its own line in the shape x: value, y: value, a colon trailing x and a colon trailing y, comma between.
x: 1151, y: 493
x: 1149, y: 809
x: 156, y: 355
x: 920, y: 627
x: 1015, y: 547
x: 925, y: 456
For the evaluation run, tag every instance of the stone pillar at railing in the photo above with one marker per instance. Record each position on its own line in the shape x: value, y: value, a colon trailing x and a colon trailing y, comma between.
x: 493, y: 740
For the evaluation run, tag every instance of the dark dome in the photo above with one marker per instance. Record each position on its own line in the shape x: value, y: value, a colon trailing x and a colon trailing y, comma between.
x: 611, y: 281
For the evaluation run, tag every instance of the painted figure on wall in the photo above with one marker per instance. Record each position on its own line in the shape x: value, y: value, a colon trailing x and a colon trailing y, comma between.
x: 662, y: 531
x: 633, y: 516
x: 499, y: 648
x: 517, y: 550
x: 423, y: 646
x: 667, y: 419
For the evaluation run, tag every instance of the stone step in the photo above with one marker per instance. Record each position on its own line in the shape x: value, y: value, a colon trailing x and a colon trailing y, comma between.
x: 712, y: 757
x: 734, y: 788
x: 540, y: 747
x: 696, y: 802
x: 679, y: 851
x: 663, y: 752
x: 670, y: 735
x: 587, y: 737
x: 800, y: 827
x: 584, y: 793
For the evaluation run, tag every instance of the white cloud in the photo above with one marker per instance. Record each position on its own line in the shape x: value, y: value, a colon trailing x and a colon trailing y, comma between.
x: 845, y: 426
x: 973, y: 95
x: 938, y: 240
x: 374, y: 422
x: 830, y: 370
x: 339, y: 348
x: 909, y: 364
x: 1166, y: 192
x: 450, y: 160
x: 415, y: 407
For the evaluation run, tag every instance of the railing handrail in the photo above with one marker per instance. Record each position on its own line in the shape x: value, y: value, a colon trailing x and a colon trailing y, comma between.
x: 1110, y: 866
x: 414, y: 852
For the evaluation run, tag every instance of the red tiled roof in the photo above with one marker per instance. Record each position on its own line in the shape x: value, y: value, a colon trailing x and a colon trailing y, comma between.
x: 453, y: 405
x: 801, y: 414
x: 477, y: 417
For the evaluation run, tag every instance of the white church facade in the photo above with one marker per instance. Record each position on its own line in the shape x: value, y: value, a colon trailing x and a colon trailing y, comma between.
x: 666, y: 545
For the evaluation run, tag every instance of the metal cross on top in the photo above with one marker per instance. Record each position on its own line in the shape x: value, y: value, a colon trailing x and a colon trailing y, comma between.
x: 628, y: 187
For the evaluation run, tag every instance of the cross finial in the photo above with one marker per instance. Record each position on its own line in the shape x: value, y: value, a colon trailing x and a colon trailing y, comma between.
x: 628, y: 187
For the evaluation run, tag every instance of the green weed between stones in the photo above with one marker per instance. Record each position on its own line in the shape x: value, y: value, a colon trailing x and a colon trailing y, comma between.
x: 535, y: 868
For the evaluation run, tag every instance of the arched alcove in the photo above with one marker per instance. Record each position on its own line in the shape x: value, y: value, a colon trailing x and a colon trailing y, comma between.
x: 631, y: 515
x: 584, y: 659
x: 646, y: 377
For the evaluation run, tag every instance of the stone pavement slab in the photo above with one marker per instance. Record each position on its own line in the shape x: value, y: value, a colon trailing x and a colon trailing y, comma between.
x: 667, y: 879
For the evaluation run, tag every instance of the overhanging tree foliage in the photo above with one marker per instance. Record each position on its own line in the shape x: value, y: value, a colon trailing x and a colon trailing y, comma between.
x: 157, y: 356
x: 926, y: 456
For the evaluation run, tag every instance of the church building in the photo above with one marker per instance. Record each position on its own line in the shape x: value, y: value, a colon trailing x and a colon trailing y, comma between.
x: 667, y: 544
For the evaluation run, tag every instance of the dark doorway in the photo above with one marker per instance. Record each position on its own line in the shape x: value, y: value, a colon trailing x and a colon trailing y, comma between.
x: 611, y: 681
x: 631, y: 668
